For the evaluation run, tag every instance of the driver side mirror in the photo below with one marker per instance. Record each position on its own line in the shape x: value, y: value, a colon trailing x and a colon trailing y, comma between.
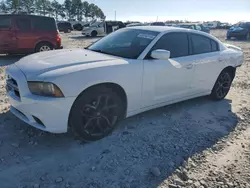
x: 160, y: 54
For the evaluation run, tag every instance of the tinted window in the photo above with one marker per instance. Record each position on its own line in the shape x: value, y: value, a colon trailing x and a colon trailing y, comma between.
x: 214, y: 46
x: 5, y: 22
x: 127, y: 43
x: 176, y: 43
x: 44, y: 24
x: 23, y: 24
x: 198, y: 27
x: 200, y: 44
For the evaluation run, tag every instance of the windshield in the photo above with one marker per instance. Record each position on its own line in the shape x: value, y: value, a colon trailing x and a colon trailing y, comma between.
x: 242, y: 25
x: 126, y: 43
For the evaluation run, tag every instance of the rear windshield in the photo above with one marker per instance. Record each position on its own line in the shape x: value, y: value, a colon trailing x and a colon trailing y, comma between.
x: 44, y: 24
x: 5, y: 22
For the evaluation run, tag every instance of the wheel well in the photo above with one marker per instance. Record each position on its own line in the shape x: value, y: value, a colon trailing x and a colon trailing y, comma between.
x: 115, y: 88
x: 44, y: 42
x: 230, y: 69
x: 94, y: 31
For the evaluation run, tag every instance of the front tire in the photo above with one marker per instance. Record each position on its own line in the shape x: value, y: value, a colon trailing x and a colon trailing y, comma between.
x: 222, y: 85
x: 93, y: 33
x: 96, y: 112
x: 247, y: 37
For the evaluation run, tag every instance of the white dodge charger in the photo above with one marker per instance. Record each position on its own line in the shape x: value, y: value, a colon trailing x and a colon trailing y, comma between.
x: 127, y: 72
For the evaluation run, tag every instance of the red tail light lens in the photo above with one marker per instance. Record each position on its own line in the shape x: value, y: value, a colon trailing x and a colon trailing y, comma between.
x: 58, y: 38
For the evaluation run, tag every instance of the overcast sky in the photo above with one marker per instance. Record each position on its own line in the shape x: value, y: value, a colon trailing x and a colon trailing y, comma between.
x: 192, y: 10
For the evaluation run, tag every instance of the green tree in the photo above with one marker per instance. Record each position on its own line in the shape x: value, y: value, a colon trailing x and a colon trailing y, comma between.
x: 92, y: 10
x: 3, y: 7
x: 67, y: 7
x: 85, y: 10
x: 42, y: 6
x: 57, y: 9
x: 28, y: 6
x: 13, y: 5
x: 76, y: 9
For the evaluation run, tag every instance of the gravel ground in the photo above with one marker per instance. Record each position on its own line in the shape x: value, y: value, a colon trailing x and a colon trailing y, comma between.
x: 197, y: 143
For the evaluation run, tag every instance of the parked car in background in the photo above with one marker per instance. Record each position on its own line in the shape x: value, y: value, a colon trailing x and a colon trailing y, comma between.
x: 28, y: 33
x: 65, y: 27
x: 195, y: 26
x: 135, y: 24
x: 102, y: 28
x: 157, y: 24
x: 125, y: 73
x: 78, y: 27
x: 224, y: 26
x: 240, y: 31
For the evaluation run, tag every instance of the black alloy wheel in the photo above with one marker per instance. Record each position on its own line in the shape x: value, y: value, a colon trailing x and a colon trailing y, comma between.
x: 96, y: 113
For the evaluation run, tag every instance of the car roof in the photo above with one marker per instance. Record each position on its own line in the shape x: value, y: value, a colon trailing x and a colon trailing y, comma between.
x: 160, y: 28
x: 23, y: 15
x: 165, y: 29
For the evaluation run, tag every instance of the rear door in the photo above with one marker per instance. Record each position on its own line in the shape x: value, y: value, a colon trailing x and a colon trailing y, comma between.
x: 208, y: 62
x: 7, y: 34
x: 24, y: 33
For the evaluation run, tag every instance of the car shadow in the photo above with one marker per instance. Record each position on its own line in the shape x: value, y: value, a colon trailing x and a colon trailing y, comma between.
x: 9, y: 59
x: 162, y: 138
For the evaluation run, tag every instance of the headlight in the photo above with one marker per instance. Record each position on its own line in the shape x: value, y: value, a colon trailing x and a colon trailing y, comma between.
x: 45, y: 89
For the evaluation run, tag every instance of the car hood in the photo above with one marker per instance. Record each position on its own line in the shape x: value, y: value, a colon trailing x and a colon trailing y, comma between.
x: 42, y: 62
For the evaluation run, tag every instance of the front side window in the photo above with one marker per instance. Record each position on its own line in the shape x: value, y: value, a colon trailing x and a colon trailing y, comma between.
x: 176, y: 43
x: 200, y: 44
x: 5, y: 22
x: 126, y: 43
x: 23, y: 24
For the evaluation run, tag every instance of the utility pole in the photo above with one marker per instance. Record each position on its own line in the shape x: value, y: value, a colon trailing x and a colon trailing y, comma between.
x: 115, y: 15
x: 157, y: 19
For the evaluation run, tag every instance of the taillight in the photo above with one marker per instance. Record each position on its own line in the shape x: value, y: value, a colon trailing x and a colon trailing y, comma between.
x: 58, y: 38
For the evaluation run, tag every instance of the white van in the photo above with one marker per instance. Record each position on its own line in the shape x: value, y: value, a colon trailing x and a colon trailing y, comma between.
x: 102, y: 28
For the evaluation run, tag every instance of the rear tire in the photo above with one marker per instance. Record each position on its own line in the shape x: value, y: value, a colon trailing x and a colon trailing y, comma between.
x: 44, y: 46
x: 96, y: 112
x: 222, y: 85
x: 93, y: 33
x: 247, y: 37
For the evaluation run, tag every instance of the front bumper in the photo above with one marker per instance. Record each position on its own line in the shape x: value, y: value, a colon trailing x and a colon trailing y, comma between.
x: 45, y: 113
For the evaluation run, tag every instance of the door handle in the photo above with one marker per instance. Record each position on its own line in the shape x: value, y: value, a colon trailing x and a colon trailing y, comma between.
x: 220, y: 60
x: 190, y: 66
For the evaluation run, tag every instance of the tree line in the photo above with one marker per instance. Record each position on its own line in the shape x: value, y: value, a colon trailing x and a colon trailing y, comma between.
x: 70, y: 9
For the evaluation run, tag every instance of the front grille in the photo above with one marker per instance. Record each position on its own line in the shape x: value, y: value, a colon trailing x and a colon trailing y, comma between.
x: 11, y: 85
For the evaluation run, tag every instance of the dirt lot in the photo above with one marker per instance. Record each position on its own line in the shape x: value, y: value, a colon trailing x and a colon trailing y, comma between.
x: 198, y: 143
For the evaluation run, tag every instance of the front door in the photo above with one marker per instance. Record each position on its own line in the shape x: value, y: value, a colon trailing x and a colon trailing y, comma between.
x: 167, y: 80
x: 7, y: 35
x: 24, y: 33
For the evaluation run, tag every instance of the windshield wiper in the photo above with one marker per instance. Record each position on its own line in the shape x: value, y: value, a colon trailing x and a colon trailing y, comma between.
x: 101, y: 51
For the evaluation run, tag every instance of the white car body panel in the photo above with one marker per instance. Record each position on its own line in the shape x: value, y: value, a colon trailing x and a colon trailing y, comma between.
x: 148, y: 84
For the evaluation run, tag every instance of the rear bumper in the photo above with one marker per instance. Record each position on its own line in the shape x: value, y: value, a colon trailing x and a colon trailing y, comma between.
x: 59, y: 47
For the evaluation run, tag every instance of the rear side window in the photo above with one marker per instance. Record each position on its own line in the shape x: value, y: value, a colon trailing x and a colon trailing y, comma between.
x: 44, y: 24
x: 5, y: 22
x: 214, y: 46
x: 24, y: 24
x: 200, y: 44
x: 176, y: 43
